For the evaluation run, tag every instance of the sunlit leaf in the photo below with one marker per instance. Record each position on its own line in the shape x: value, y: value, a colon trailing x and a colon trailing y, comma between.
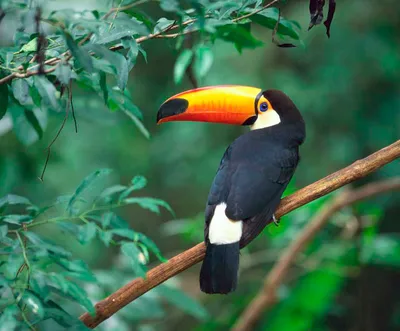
x: 29, y: 47
x: 33, y: 305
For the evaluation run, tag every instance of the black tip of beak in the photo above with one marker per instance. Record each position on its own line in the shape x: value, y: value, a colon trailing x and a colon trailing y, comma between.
x: 171, y: 108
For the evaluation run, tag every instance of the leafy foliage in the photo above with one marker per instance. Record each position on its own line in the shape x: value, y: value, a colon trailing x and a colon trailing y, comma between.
x: 38, y: 276
x: 97, y: 50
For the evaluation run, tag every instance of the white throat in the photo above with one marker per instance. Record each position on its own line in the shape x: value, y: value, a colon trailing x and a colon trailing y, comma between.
x: 269, y: 118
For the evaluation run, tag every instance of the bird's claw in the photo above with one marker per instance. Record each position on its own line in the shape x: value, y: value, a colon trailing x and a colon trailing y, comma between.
x: 275, y: 220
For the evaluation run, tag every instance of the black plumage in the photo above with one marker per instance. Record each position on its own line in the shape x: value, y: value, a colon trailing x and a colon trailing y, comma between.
x: 252, y: 176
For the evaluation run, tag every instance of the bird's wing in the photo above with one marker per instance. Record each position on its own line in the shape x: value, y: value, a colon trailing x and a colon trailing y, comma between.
x: 251, y: 189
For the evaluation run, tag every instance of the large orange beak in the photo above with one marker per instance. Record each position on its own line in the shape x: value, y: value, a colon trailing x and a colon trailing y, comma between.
x: 229, y: 104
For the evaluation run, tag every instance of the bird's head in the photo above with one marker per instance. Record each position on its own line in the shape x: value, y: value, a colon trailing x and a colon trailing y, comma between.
x: 230, y: 104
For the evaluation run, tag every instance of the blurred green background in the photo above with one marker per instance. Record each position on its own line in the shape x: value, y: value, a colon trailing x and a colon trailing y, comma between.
x: 348, y: 90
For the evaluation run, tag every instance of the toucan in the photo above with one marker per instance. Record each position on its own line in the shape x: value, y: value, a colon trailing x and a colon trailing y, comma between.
x: 253, y: 173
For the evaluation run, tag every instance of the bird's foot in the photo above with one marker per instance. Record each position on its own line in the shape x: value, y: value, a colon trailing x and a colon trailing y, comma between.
x: 275, y: 220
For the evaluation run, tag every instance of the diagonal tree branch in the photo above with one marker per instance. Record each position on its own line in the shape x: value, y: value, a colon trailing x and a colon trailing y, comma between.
x: 131, y: 291
x: 267, y: 296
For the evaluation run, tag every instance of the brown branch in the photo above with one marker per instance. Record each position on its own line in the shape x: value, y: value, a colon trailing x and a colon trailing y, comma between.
x: 131, y: 291
x: 161, y: 34
x: 267, y: 296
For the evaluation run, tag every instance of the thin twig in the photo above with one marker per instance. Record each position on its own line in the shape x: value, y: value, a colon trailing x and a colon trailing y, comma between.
x: 71, y: 102
x: 56, y: 136
x: 267, y: 296
x: 131, y: 291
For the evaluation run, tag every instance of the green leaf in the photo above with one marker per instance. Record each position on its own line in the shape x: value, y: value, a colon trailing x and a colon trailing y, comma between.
x: 105, y: 237
x: 133, y: 52
x: 126, y: 233
x: 103, y: 86
x: 55, y: 312
x: 20, y: 89
x: 182, y: 301
x: 69, y: 227
x: 133, y: 253
x: 203, y: 61
x: 151, y: 204
x: 89, y: 180
x: 31, y: 117
x: 3, y: 231
x: 119, y: 100
x: 3, y: 99
x: 46, y: 244
x: 143, y: 52
x: 16, y: 219
x: 238, y: 35
x: 150, y: 244
x: 76, y: 268
x: 47, y: 91
x: 162, y: 24
x: 138, y: 182
x: 182, y: 63
x: 14, y: 262
x: 12, y: 199
x: 8, y: 318
x: 80, y: 296
x: 122, y: 28
x: 29, y: 47
x: 269, y: 17
x: 110, y: 191
x: 63, y: 73
x: 117, y: 61
x: 87, y: 232
x: 82, y: 57
x: 33, y: 304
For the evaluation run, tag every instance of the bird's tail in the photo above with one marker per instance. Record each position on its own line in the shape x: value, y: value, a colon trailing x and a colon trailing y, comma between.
x: 219, y: 271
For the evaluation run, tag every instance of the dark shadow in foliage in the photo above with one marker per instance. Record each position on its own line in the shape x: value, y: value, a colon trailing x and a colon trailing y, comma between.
x: 317, y: 14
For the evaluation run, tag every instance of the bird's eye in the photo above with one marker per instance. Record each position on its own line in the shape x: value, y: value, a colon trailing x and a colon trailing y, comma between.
x: 264, y: 106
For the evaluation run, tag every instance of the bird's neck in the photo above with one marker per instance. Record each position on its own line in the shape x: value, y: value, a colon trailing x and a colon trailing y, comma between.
x: 288, y: 133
